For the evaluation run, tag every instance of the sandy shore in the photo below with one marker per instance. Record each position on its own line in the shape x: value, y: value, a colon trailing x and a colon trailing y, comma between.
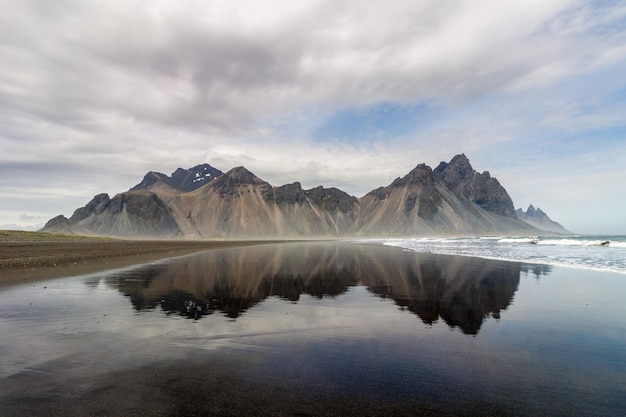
x: 320, y: 330
x: 29, y: 259
x: 215, y: 386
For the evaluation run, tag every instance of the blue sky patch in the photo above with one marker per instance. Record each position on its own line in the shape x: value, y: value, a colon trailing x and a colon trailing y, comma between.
x: 375, y: 122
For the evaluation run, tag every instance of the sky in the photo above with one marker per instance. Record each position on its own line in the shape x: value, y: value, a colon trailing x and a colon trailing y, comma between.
x: 343, y: 93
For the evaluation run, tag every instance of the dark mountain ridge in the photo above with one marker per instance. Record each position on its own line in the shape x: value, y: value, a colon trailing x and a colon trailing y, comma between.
x: 460, y: 178
x: 182, y: 179
x: 203, y: 202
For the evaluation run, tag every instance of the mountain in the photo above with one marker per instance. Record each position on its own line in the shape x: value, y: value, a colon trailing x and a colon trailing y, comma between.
x: 539, y: 219
x: 240, y: 204
x: 134, y: 213
x: 182, y: 179
x: 452, y: 199
x: 460, y: 178
x: 203, y: 202
x: 62, y: 225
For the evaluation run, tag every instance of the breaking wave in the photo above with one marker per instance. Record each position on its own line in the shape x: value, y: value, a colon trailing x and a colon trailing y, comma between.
x: 602, y: 253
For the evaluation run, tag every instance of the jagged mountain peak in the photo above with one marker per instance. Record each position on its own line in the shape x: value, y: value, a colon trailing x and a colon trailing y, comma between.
x: 422, y: 174
x: 198, y: 175
x: 457, y: 173
x: 184, y: 180
x: 242, y: 175
x: 460, y: 177
x: 460, y: 160
x: 237, y: 179
x: 539, y: 219
x: 532, y: 211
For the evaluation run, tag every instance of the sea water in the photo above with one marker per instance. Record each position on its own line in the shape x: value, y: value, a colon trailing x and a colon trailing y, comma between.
x: 597, y: 252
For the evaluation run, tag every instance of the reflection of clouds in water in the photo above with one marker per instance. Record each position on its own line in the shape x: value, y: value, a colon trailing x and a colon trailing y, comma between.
x: 461, y: 291
x: 56, y: 319
x: 292, y: 291
x: 274, y: 320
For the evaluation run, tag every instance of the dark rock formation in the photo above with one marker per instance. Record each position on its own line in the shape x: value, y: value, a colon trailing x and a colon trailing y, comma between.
x: 331, y: 199
x: 134, y: 213
x: 64, y: 226
x: 457, y: 176
x: 460, y: 178
x: 182, y: 179
x: 289, y: 194
x: 491, y: 196
x: 95, y: 207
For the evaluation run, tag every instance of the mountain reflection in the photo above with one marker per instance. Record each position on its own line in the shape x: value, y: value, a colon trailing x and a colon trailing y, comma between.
x: 537, y: 270
x: 460, y: 291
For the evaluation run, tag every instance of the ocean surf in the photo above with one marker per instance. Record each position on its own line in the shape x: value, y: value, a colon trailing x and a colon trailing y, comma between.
x: 601, y: 253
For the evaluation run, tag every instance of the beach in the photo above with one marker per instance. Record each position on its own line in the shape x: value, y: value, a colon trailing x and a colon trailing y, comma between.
x: 33, y: 256
x: 214, y: 387
x: 315, y: 328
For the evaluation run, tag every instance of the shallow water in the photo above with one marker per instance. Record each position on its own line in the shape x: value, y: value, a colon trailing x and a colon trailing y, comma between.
x: 317, y: 328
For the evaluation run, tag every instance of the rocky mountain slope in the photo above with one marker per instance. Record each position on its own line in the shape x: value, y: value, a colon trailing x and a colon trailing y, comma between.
x: 203, y: 202
x: 182, y: 179
x: 134, y: 213
x: 539, y: 219
x: 62, y: 225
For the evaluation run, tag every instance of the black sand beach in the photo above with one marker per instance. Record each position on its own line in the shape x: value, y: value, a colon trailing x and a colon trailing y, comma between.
x: 28, y: 256
x: 329, y: 329
x: 213, y: 387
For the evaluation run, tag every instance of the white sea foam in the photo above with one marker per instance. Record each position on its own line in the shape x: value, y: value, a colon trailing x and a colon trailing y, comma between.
x: 573, y: 242
x: 518, y: 240
x: 602, y: 253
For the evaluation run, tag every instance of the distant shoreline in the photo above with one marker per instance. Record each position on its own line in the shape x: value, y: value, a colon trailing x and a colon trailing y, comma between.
x: 28, y: 257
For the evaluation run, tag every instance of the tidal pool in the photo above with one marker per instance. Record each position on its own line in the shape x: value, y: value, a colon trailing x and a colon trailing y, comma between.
x: 319, y: 328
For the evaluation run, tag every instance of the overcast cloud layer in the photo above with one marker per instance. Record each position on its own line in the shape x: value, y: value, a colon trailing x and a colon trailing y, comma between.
x: 93, y: 94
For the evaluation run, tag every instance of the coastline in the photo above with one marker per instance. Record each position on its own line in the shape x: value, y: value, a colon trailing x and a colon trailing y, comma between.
x: 602, y: 253
x: 24, y: 260
x: 34, y: 256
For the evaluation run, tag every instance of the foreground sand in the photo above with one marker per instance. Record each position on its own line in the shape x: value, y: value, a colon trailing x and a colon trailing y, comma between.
x: 215, y: 386
x: 35, y: 256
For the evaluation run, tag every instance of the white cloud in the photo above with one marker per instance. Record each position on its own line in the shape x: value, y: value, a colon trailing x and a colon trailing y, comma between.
x: 105, y: 91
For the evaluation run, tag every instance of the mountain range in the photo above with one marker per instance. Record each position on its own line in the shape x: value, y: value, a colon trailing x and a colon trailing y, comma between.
x: 203, y: 202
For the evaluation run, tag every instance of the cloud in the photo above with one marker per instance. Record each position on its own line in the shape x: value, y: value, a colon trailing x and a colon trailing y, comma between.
x: 222, y: 67
x: 95, y: 94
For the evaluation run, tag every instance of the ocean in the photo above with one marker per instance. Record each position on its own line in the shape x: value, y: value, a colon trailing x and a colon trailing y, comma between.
x: 594, y: 252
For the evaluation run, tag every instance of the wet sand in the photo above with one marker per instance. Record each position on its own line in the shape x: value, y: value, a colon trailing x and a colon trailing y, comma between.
x: 208, y: 388
x: 314, y: 329
x: 26, y: 259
